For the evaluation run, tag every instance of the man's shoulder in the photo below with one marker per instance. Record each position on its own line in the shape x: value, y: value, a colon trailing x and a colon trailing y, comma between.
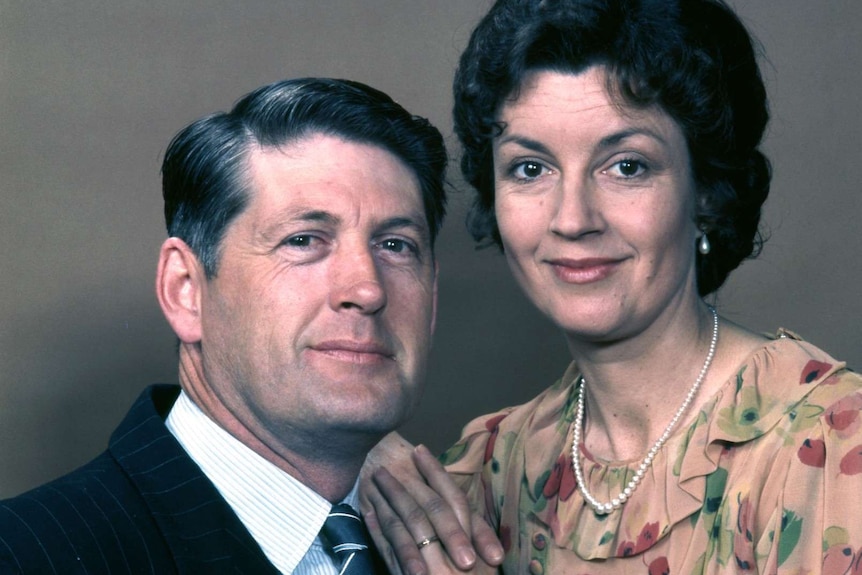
x: 92, y: 518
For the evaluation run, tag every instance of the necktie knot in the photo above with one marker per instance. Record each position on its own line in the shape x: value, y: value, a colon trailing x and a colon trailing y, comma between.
x: 346, y: 533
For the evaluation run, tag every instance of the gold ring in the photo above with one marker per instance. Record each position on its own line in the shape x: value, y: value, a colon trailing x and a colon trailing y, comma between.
x: 427, y: 541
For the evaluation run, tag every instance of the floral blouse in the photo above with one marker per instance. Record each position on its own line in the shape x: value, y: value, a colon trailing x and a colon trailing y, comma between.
x: 767, y: 478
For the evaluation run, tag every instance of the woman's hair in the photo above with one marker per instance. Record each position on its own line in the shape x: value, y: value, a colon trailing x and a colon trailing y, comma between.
x: 692, y: 58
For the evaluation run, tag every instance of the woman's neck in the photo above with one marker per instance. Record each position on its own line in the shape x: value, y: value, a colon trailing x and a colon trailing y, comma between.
x: 635, y: 386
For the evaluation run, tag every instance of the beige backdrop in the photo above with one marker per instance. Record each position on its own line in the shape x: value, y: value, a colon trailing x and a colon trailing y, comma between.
x: 93, y: 90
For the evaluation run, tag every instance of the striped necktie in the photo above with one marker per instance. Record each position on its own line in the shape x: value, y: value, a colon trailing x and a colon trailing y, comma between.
x: 349, y: 538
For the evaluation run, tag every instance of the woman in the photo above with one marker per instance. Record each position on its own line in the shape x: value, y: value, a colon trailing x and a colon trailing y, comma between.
x: 614, y: 148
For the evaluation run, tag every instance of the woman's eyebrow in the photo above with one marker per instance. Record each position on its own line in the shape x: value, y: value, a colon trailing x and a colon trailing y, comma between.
x: 524, y: 142
x: 617, y: 137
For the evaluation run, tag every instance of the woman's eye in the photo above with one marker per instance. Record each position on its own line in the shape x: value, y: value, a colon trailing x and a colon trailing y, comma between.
x: 628, y: 168
x: 528, y: 170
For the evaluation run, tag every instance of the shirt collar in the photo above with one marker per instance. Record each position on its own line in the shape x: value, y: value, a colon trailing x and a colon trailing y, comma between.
x: 283, y: 515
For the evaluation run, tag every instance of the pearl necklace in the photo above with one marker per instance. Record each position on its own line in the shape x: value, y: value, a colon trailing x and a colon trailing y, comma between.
x: 605, y: 508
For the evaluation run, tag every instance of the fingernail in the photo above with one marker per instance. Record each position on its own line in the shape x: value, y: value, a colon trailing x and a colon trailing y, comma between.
x: 466, y: 557
x: 415, y: 567
x: 495, y: 552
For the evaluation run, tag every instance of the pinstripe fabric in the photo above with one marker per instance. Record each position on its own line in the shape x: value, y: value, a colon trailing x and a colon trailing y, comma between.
x: 283, y: 515
x: 141, y: 507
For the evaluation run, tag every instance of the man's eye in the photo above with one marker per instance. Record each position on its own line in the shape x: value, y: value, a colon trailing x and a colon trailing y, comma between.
x: 394, y: 245
x: 397, y: 246
x: 302, y: 241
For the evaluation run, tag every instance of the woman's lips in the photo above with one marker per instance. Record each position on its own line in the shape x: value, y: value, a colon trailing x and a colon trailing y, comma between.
x: 584, y: 271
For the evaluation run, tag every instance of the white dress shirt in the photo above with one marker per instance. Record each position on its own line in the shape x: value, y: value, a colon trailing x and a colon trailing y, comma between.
x: 283, y: 515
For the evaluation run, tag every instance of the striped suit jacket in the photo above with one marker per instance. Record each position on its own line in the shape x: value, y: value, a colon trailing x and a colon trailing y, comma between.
x: 142, y: 506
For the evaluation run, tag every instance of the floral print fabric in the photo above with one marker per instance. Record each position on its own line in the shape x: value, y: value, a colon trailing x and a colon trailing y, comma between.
x: 766, y: 478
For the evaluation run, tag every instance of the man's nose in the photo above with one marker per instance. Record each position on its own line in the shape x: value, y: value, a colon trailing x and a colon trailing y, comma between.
x: 356, y: 283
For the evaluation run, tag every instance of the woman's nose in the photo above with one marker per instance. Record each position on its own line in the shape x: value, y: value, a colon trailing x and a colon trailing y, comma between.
x: 576, y: 212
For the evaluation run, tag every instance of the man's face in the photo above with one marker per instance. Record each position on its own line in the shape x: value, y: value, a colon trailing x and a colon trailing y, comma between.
x: 319, y: 318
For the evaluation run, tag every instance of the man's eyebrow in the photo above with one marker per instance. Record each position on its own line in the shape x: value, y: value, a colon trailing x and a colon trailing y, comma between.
x: 277, y: 222
x: 302, y: 215
x: 416, y: 223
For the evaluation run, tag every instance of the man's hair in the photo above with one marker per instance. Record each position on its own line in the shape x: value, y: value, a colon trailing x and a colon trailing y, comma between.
x: 205, y: 179
x: 692, y: 58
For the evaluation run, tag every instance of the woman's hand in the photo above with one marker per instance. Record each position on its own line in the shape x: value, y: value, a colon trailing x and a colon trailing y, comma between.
x: 407, y: 497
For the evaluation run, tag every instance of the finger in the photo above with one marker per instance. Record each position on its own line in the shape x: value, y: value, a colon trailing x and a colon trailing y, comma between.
x: 484, y: 538
x: 401, y: 520
x: 439, y: 480
x: 446, y: 507
x: 370, y: 501
x: 486, y: 542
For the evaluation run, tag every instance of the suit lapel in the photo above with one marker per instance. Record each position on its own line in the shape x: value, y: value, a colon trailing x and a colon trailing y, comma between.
x: 202, y: 531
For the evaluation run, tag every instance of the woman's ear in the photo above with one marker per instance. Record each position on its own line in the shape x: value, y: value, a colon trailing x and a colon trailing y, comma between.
x: 434, y: 300
x: 180, y: 279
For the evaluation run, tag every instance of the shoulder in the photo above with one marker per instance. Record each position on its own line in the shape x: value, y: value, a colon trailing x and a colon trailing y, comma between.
x: 95, y: 519
x: 497, y: 435
x: 74, y: 521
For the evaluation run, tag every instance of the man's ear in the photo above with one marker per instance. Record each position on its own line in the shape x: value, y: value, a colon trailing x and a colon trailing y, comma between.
x: 180, y: 280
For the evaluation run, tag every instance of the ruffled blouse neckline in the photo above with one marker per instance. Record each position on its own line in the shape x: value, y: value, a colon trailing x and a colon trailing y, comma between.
x: 676, y: 486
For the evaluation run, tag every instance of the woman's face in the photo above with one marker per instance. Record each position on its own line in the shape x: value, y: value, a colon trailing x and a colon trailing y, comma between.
x: 595, y: 205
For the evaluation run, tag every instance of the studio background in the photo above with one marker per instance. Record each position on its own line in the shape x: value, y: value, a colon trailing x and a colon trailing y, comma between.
x: 91, y: 91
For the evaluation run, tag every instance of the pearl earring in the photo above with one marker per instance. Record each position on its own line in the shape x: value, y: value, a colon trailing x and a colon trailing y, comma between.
x: 703, y: 245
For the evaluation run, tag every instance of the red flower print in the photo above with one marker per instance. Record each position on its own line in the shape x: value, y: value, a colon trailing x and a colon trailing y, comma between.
x: 647, y: 538
x: 562, y: 479
x: 837, y: 560
x: 492, y: 425
x: 659, y: 566
x: 626, y: 549
x: 843, y: 415
x: 506, y: 537
x: 813, y: 370
x: 812, y: 453
x: 743, y: 540
x: 851, y: 463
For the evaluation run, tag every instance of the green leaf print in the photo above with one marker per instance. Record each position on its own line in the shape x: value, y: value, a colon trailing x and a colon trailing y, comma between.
x: 804, y: 416
x: 835, y: 535
x: 453, y: 454
x: 791, y: 529
x: 720, y: 541
x: 540, y: 484
x: 741, y: 419
x: 540, y: 500
x: 680, y: 455
x: 739, y: 380
x: 715, y: 483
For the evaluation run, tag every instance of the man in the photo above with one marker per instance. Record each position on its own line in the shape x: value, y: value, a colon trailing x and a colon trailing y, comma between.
x: 300, y: 279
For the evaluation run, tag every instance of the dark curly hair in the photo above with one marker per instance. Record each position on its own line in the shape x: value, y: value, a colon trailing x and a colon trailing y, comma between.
x: 692, y: 58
